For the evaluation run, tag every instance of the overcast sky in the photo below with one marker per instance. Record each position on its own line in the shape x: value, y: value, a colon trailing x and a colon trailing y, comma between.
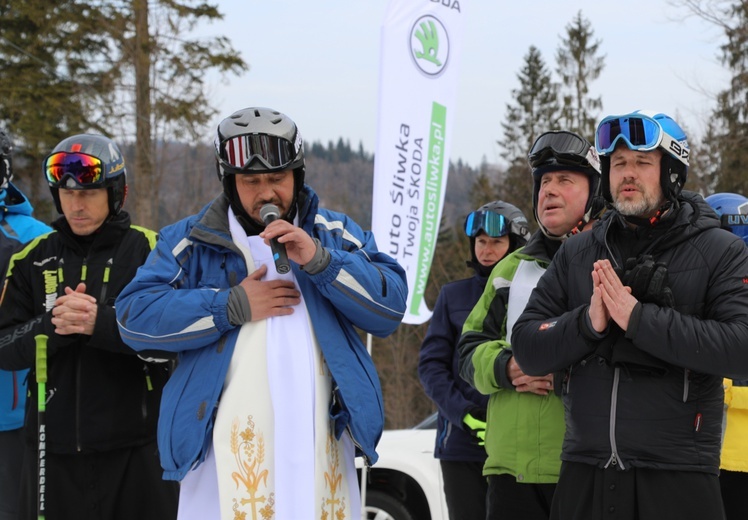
x: 318, y: 61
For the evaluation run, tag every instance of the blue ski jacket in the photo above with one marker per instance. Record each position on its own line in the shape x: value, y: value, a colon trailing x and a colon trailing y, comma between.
x: 178, y: 302
x: 17, y: 227
x: 438, y: 370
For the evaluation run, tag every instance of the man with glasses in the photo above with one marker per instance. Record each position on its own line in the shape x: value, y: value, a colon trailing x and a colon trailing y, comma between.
x: 17, y: 227
x: 494, y: 231
x: 101, y: 398
x: 525, y: 421
x: 645, y: 315
x: 261, y: 295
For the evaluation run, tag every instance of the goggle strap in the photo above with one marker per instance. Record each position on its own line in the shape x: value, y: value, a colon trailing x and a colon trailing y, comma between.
x: 674, y: 147
x: 593, y: 158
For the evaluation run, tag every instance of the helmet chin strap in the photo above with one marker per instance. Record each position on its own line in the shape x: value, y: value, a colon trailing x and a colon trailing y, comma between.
x: 573, y: 231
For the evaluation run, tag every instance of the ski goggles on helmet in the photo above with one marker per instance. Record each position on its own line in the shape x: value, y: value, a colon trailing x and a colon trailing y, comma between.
x: 243, y: 152
x: 85, y: 170
x: 639, y: 132
x: 492, y: 224
x: 562, y: 149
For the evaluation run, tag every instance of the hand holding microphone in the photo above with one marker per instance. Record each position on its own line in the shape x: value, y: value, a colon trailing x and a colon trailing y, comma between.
x: 268, y: 214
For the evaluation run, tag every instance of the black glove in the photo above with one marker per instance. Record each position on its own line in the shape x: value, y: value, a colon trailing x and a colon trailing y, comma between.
x: 648, y: 281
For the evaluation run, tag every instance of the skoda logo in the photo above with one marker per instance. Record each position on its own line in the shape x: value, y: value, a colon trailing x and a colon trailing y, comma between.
x: 429, y: 45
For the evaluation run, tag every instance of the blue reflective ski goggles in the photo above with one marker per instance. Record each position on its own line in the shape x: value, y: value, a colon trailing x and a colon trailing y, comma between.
x: 639, y: 132
x: 492, y: 224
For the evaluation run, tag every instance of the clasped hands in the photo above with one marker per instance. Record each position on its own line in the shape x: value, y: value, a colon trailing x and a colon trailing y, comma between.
x: 540, y: 385
x: 75, y: 312
x: 611, y: 300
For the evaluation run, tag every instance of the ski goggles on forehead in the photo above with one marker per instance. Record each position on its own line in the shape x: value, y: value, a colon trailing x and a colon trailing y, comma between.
x: 86, y: 170
x: 565, y: 147
x: 492, y: 224
x: 639, y: 132
x: 241, y: 152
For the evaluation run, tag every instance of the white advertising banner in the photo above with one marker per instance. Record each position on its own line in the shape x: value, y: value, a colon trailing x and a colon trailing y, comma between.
x: 417, y: 94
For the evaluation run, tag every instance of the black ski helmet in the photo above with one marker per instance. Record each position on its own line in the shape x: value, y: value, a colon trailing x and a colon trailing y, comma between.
x: 568, y: 151
x: 645, y: 130
x: 6, y: 160
x: 514, y: 224
x: 258, y: 140
x: 65, y: 168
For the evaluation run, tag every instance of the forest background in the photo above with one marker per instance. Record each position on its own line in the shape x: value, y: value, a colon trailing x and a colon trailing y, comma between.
x: 130, y: 69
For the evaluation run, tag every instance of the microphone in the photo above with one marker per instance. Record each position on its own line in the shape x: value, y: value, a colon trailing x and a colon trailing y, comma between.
x: 269, y: 213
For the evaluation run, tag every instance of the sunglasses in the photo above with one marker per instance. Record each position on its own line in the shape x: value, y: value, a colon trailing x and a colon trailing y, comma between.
x: 240, y: 152
x: 640, y: 133
x: 492, y: 224
x: 86, y: 170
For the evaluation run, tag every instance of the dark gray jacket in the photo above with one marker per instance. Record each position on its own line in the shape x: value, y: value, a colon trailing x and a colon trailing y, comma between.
x: 652, y: 396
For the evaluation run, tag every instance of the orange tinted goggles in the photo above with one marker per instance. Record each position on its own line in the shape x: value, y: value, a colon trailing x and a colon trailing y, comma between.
x: 84, y: 169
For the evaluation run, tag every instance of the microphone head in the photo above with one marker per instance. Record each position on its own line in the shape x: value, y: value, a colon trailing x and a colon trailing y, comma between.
x: 269, y: 213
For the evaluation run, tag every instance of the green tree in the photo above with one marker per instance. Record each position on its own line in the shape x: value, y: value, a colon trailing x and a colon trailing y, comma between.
x: 726, y: 140
x: 126, y: 69
x: 535, y: 110
x: 732, y: 103
x: 48, y: 77
x: 578, y: 64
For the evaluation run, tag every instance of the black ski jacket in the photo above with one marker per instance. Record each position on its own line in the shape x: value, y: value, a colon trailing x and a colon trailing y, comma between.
x: 100, y: 394
x: 651, y: 396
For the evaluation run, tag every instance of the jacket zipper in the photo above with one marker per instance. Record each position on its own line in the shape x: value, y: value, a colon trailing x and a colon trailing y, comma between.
x: 148, y: 388
x: 15, y: 391
x: 78, y: 377
x: 614, y: 459
x: 367, y: 461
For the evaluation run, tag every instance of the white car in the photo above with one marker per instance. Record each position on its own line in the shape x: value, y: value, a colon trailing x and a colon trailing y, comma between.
x: 406, y: 482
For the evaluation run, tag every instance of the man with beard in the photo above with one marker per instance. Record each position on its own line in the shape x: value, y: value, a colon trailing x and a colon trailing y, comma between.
x: 645, y: 314
x: 274, y: 391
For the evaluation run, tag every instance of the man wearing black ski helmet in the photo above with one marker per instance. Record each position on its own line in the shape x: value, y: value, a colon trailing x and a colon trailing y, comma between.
x: 102, y: 404
x: 88, y: 161
x: 525, y: 432
x: 569, y: 152
x: 258, y: 140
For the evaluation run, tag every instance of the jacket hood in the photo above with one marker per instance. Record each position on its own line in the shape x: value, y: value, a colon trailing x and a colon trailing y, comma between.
x: 108, y: 235
x: 540, y: 247
x: 690, y: 217
x: 211, y: 224
x: 13, y: 201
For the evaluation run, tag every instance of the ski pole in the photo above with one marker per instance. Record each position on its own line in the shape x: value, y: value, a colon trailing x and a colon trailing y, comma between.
x: 41, y: 382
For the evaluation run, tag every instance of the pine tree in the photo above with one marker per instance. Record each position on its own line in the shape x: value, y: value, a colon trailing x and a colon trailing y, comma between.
x: 129, y: 70
x: 535, y: 110
x: 732, y: 104
x: 726, y: 140
x: 578, y: 64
